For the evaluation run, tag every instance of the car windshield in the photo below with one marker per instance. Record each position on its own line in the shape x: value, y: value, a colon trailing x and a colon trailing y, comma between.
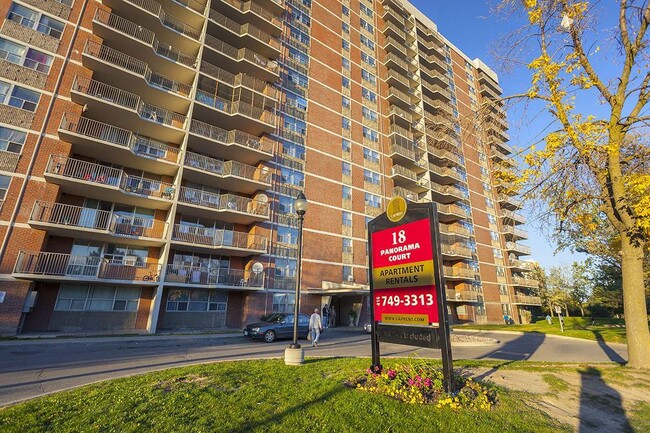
x: 275, y: 318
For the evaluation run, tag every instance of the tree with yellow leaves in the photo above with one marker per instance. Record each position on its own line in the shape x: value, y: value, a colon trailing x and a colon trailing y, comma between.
x: 593, y: 169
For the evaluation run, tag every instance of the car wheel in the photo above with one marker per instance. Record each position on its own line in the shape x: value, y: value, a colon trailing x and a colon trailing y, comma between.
x: 269, y: 336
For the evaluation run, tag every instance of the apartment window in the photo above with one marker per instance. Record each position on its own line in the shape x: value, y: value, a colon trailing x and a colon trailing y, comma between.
x: 369, y: 114
x: 18, y: 97
x: 372, y: 200
x: 287, y: 235
x: 366, y: 10
x: 347, y: 273
x: 285, y: 268
x: 346, y: 146
x: 346, y: 168
x: 345, y: 63
x: 501, y: 272
x: 5, y: 181
x: 285, y: 204
x: 367, y: 58
x: 347, y: 245
x: 503, y: 290
x: 371, y: 177
x: 97, y: 298
x: 368, y: 77
x: 345, y: 27
x: 283, y: 302
x: 346, y: 123
x: 494, y: 235
x: 292, y: 177
x: 370, y: 134
x: 489, y: 202
x: 505, y: 309
x: 366, y: 25
x: 197, y: 300
x: 345, y: 10
x: 35, y: 20
x: 496, y: 252
x: 369, y: 95
x: 345, y: 82
x: 347, y: 193
x: 492, y: 219
x: 293, y: 150
x: 23, y: 56
x: 347, y: 219
x: 367, y: 42
x: 12, y: 140
x: 370, y: 155
x: 345, y: 44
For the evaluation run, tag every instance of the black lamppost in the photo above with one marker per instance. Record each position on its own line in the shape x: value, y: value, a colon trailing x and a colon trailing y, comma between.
x: 301, y: 207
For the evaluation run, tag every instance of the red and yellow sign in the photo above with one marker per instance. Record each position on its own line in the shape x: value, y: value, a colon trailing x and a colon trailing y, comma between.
x: 403, y: 274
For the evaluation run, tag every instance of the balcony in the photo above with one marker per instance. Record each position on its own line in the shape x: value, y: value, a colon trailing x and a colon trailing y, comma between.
x: 515, y: 233
x: 509, y: 202
x: 398, y: 114
x: 250, y: 12
x: 127, y: 110
x: 458, y: 273
x: 391, y: 15
x: 524, y: 282
x: 246, y: 35
x: 453, y: 251
x: 510, y: 218
x: 394, y: 78
x: 397, y: 63
x: 150, y: 14
x: 527, y: 300
x: 111, y: 144
x: 436, y: 91
x: 496, y: 142
x: 130, y: 73
x: 228, y: 175
x: 240, y: 80
x: 226, y: 242
x: 233, y: 144
x: 409, y: 179
x: 485, y: 79
x: 439, y: 106
x: 444, y: 175
x: 131, y: 38
x: 461, y: 296
x: 451, y: 212
x: 406, y: 156
x: 391, y: 30
x: 240, y: 59
x: 400, y: 98
x: 518, y: 248
x: 238, y: 114
x: 191, y: 12
x: 521, y: 265
x: 213, y: 278
x: 446, y: 193
x: 452, y: 229
x: 444, y: 156
x: 433, y: 76
x: 45, y: 266
x: 224, y: 207
x: 107, y: 183
x: 65, y: 220
x: 407, y: 194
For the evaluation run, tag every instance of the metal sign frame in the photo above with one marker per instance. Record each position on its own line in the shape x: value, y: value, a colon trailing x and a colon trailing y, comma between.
x: 434, y: 336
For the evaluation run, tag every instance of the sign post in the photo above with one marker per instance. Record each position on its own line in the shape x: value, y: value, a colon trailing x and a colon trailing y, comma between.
x: 407, y: 285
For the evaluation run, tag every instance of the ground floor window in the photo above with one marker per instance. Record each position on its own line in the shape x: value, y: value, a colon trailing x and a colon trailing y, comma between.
x: 74, y: 297
x: 283, y: 302
x: 197, y: 300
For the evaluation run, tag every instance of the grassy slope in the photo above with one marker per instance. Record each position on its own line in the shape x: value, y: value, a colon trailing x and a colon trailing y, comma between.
x: 257, y: 396
x: 577, y: 327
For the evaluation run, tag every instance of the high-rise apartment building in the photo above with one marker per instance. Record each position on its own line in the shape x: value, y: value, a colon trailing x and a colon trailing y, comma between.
x: 151, y: 152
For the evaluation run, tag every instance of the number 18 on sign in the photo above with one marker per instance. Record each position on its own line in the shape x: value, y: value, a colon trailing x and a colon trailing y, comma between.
x: 407, y: 286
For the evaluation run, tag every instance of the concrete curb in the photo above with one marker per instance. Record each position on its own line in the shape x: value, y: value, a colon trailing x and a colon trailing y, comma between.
x: 561, y: 337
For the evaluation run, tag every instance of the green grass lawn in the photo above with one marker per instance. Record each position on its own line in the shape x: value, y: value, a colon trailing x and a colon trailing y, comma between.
x: 259, y: 396
x: 608, y: 330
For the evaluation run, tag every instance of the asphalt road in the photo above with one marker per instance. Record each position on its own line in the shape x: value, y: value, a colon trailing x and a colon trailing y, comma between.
x: 29, y: 368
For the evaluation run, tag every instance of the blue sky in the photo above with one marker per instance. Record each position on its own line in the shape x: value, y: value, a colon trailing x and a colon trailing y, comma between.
x: 470, y: 26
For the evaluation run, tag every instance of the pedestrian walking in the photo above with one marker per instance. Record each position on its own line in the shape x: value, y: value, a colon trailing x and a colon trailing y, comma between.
x: 326, y: 316
x: 315, y: 327
x: 549, y: 319
x: 332, y: 319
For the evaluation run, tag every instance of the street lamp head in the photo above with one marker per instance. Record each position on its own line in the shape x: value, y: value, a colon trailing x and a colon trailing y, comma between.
x: 300, y: 204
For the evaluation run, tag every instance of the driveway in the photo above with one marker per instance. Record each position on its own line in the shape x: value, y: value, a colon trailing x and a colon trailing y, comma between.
x: 30, y: 368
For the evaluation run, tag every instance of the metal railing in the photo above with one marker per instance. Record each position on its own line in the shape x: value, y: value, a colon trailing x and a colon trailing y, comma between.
x: 528, y: 300
x: 525, y: 249
x: 227, y: 202
x: 240, y: 79
x: 207, y: 276
x: 138, y: 145
x: 232, y: 137
x: 255, y: 8
x: 227, y: 168
x: 85, y: 267
x: 219, y: 238
x: 167, y: 20
x: 236, y: 107
x: 124, y: 61
x: 451, y: 271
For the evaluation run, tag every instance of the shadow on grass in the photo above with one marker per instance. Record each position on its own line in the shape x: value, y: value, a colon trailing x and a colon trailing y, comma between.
x: 519, y: 349
x: 601, y: 407
x: 611, y: 354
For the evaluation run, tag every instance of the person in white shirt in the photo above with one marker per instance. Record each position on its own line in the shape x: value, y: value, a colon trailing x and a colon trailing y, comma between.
x: 315, y: 327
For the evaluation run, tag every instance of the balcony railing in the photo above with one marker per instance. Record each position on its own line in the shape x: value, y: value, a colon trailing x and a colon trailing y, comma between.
x: 455, y: 250
x: 124, y: 61
x: 240, y: 79
x: 205, y: 276
x: 514, y: 246
x: 67, y: 266
x: 236, y: 107
x: 513, y: 216
x: 451, y: 271
x: 527, y: 282
x: 127, y: 100
x: 227, y: 168
x: 88, y: 172
x: 232, y: 137
x: 244, y: 29
x: 528, y: 300
x: 219, y: 238
x: 454, y: 230
x: 453, y: 209
x: 227, y: 202
x: 521, y: 264
x: 239, y: 54
x: 515, y: 231
x: 254, y: 7
x: 65, y: 215
x: 146, y: 36
x: 138, y: 145
x: 461, y: 296
x: 167, y: 20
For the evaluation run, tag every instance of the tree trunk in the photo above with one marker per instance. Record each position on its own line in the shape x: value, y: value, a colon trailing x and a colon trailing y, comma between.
x: 634, y: 307
x: 582, y: 311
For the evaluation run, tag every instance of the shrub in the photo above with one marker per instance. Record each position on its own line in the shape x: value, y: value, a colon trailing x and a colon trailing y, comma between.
x: 423, y: 384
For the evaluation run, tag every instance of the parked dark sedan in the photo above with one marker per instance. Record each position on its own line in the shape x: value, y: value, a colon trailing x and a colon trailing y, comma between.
x: 277, y: 325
